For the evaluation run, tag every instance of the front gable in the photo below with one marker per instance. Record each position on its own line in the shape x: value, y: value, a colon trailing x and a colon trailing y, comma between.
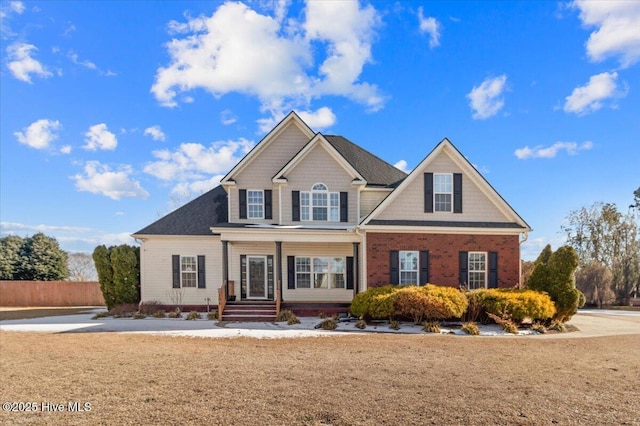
x: 318, y: 163
x: 470, y: 201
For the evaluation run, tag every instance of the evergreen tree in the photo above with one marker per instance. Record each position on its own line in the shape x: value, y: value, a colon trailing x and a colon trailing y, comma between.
x: 10, y: 256
x: 554, y: 273
x: 119, y: 273
x: 42, y: 259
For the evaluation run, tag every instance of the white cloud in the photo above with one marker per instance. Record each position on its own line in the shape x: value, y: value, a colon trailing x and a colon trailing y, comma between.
x: 617, y: 31
x: 320, y: 119
x: 17, y: 7
x: 100, y: 179
x: 73, y: 56
x: 156, y: 133
x: 194, y: 161
x: 6, y: 10
x: 99, y: 137
x: 588, y: 98
x: 430, y: 26
x: 39, y: 134
x: 187, y: 190
x: 66, y: 149
x: 233, y: 50
x: 485, y: 100
x: 402, y: 165
x: 13, y: 227
x: 22, y: 65
x: 71, y: 28
x: 227, y: 118
x: 539, y: 151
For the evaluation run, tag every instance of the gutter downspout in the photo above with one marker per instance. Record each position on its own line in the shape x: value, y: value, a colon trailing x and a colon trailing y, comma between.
x: 524, y: 240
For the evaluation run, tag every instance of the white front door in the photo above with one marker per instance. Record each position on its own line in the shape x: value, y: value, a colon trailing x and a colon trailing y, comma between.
x: 256, y: 277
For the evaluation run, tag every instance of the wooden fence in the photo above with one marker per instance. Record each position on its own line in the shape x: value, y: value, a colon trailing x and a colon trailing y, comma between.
x: 50, y: 293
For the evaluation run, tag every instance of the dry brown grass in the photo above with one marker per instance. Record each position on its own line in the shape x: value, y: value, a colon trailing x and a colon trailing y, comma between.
x: 354, y: 379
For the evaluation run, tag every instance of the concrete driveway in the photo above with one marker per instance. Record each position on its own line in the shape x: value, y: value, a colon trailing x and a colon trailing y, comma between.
x: 603, y: 322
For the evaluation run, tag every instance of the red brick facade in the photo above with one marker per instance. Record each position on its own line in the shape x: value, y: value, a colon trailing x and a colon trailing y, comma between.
x: 443, y: 255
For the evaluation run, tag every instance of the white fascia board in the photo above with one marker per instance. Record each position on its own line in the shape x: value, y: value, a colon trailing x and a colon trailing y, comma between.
x: 440, y: 230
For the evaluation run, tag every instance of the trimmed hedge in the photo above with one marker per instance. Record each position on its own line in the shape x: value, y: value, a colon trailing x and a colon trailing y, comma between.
x: 516, y: 304
x: 419, y: 303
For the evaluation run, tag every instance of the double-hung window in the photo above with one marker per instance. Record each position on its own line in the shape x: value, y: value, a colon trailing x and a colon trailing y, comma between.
x: 255, y: 204
x: 188, y: 271
x: 408, y: 267
x: 320, y: 272
x: 319, y: 204
x: 477, y: 270
x: 442, y: 192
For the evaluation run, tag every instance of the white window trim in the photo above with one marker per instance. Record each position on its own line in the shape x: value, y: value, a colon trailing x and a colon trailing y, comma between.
x: 328, y: 207
x: 486, y: 268
x: 195, y: 272
x: 417, y: 270
x: 255, y: 204
x: 439, y: 193
x: 329, y: 273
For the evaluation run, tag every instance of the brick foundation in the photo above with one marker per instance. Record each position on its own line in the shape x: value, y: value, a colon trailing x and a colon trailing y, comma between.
x: 443, y: 255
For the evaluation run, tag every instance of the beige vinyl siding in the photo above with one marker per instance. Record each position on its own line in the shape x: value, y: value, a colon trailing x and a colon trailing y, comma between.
x: 369, y: 200
x: 234, y: 205
x: 258, y: 173
x: 409, y: 205
x: 318, y: 166
x: 292, y: 249
x: 157, y: 271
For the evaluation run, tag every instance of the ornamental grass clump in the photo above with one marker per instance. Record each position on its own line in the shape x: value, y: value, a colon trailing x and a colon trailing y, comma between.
x: 329, y: 324
x: 285, y: 315
x: 470, y: 328
x: 212, y: 315
x: 159, y: 314
x: 432, y: 327
x: 361, y: 324
x: 193, y: 315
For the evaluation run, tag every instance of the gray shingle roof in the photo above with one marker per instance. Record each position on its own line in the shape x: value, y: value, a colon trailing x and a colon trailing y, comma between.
x: 194, y: 218
x: 376, y: 171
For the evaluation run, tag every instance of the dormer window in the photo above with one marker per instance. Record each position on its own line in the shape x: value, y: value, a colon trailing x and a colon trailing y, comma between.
x: 319, y: 204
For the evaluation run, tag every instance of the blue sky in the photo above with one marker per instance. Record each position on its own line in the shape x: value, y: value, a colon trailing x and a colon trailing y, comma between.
x: 114, y: 113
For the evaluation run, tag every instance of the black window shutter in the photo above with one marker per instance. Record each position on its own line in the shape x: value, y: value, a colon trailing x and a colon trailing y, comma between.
x: 267, y: 204
x: 350, y: 279
x: 242, y: 198
x: 201, y: 281
x: 428, y: 192
x: 464, y: 267
x: 457, y: 192
x: 291, y: 272
x: 344, y: 207
x: 295, y: 206
x: 493, y: 269
x: 175, y: 263
x: 270, y: 287
x: 424, y: 267
x: 394, y: 266
x: 243, y: 276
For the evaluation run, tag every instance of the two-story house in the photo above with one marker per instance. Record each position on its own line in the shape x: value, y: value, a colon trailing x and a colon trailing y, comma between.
x: 305, y: 221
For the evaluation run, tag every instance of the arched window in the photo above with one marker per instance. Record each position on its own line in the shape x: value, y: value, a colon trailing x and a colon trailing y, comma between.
x: 320, y: 204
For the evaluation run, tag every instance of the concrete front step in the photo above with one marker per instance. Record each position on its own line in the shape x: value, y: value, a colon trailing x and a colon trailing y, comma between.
x: 248, y: 318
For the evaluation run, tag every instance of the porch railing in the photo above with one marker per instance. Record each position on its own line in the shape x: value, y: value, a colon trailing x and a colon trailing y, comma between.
x: 222, y: 299
x: 278, y: 298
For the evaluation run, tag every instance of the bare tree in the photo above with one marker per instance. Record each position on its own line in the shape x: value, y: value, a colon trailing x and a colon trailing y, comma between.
x: 82, y: 267
x: 595, y: 281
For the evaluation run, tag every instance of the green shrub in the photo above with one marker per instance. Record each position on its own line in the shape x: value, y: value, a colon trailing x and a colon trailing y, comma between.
x: 516, y: 304
x: 100, y: 315
x: 361, y: 324
x: 375, y: 303
x: 554, y: 273
x: 329, y: 324
x: 470, y: 328
x: 139, y: 315
x: 193, y: 315
x: 432, y: 327
x: 212, y: 315
x: 417, y: 303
